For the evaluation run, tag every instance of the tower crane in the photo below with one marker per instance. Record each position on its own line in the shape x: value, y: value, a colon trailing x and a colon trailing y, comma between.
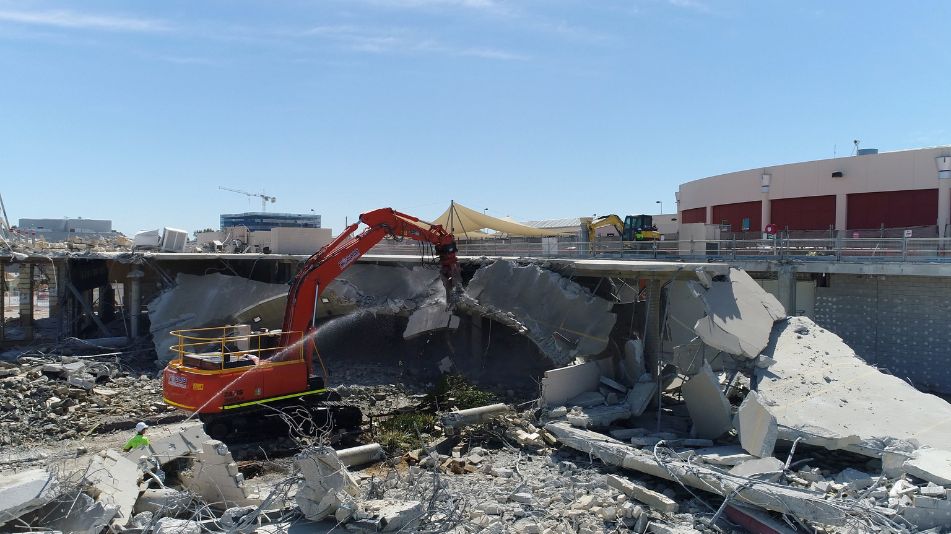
x: 264, y: 198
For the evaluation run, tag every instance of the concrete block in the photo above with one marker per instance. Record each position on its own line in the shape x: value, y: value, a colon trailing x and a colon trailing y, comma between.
x: 708, y: 407
x: 392, y: 515
x: 657, y: 501
x: 756, y: 426
x: 560, y: 385
x: 632, y: 365
x: 23, y: 492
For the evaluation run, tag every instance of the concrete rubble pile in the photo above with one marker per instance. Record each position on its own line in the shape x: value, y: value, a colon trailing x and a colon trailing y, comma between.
x: 814, y: 435
x: 65, y: 397
x: 116, y: 491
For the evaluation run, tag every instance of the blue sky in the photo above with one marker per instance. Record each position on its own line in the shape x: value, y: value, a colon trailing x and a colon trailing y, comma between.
x: 138, y: 111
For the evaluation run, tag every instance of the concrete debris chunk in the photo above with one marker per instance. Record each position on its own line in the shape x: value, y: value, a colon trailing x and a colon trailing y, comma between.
x: 215, y: 477
x: 168, y: 525
x: 657, y: 501
x: 820, y: 391
x: 933, y: 465
x: 432, y: 318
x: 709, y: 409
x: 560, y: 385
x: 78, y: 515
x: 24, y: 492
x: 756, y: 426
x: 641, y: 395
x: 389, y: 515
x: 633, y: 366
x: 170, y: 442
x: 116, y: 481
x: 761, y: 468
x: 326, y: 483
x: 740, y: 314
x: 164, y: 501
x: 598, y: 416
x: 587, y: 399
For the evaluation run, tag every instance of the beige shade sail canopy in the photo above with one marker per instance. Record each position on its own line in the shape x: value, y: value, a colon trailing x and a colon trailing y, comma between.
x: 467, y: 223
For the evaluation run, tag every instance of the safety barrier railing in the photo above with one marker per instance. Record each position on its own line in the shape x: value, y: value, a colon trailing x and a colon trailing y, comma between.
x: 829, y: 249
x: 224, y: 347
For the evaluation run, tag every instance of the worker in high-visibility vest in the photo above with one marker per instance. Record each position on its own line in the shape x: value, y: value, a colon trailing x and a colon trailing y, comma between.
x: 138, y: 440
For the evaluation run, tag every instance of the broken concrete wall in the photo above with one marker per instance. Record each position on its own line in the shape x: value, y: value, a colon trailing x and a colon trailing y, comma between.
x: 22, y: 492
x: 820, y: 391
x: 562, y: 318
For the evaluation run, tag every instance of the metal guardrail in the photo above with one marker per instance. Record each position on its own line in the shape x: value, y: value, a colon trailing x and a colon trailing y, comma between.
x: 926, y: 250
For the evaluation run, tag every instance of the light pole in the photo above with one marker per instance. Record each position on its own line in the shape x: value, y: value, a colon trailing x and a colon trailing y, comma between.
x: 661, y: 206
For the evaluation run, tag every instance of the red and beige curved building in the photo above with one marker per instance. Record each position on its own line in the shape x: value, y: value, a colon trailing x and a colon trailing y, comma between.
x: 867, y: 195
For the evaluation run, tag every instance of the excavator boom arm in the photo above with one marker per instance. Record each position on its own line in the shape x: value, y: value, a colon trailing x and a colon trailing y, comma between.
x: 338, y: 255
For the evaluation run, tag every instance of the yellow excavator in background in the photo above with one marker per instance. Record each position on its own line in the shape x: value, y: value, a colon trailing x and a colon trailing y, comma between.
x: 632, y: 228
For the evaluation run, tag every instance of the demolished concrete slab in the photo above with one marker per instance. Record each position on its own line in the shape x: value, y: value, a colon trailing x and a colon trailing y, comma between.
x: 655, y: 500
x: 708, y: 407
x: 432, y: 318
x: 116, y: 482
x: 820, y: 391
x: 561, y: 317
x: 740, y: 314
x: 24, y: 492
x: 78, y: 515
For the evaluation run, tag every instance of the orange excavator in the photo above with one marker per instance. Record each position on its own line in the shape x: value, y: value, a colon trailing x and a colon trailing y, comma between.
x: 228, y: 374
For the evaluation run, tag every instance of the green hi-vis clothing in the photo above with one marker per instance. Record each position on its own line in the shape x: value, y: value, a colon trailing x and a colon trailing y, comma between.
x: 136, y: 441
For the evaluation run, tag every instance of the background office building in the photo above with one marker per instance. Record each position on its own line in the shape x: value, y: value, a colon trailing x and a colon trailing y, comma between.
x: 870, y: 194
x: 261, y: 221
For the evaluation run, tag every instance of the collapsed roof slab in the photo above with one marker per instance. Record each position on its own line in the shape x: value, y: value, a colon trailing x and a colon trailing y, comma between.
x: 740, y: 314
x: 820, y: 391
x: 560, y: 316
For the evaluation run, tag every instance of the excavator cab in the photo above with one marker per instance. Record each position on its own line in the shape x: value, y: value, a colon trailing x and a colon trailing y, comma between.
x: 640, y: 228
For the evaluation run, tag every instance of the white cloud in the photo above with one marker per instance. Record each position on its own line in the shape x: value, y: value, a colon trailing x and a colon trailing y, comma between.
x: 403, y: 41
x: 74, y: 20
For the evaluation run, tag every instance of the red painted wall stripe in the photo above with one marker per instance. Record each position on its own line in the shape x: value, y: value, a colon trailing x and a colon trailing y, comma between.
x: 733, y: 215
x: 894, y: 209
x: 803, y: 213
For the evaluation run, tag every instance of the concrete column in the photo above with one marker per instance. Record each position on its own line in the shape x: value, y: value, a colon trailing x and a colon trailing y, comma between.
x: 709, y: 214
x: 787, y: 288
x: 944, y: 206
x: 25, y: 286
x: 765, y: 212
x: 135, y: 301
x: 841, y: 213
x: 652, y: 343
